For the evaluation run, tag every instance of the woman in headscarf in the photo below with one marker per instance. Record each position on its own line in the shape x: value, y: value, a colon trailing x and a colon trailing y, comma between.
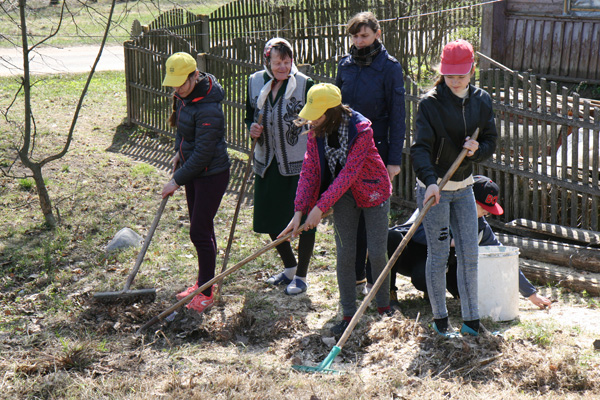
x: 275, y: 97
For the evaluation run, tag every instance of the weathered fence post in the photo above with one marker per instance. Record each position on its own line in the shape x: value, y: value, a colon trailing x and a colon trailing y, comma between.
x: 285, y: 18
x: 205, y: 32
x: 202, y: 62
x: 129, y: 94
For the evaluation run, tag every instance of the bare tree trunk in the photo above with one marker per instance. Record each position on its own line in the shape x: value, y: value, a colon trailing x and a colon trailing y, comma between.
x: 36, y: 168
x: 43, y: 196
x: 29, y: 131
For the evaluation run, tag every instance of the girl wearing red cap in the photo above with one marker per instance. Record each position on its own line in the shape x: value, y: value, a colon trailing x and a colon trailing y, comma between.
x: 447, y: 117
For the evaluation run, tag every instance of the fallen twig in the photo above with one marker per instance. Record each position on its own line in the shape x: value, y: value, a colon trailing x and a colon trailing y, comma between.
x: 481, y: 363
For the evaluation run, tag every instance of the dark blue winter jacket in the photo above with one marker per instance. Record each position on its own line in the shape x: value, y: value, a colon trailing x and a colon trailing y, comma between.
x: 377, y: 92
x: 200, y: 138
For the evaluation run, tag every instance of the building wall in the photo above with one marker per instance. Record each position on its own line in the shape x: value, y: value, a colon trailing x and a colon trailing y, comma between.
x: 535, y: 36
x: 552, y: 7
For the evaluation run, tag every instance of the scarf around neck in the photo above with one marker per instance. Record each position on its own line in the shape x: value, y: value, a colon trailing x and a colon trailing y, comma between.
x: 266, y: 89
x: 365, y: 56
x: 336, y: 148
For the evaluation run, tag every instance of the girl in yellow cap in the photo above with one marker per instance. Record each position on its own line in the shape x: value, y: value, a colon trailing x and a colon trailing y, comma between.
x: 343, y: 169
x: 201, y: 163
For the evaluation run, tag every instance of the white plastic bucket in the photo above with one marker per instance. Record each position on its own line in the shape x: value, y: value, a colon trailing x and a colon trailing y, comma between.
x: 498, y: 281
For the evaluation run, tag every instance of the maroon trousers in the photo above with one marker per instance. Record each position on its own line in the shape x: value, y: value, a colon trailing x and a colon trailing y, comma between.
x: 204, y: 196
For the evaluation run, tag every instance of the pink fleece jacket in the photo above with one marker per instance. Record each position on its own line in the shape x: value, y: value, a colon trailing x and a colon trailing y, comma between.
x: 364, y: 173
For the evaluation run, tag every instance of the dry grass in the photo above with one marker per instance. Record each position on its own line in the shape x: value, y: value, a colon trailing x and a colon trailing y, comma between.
x: 55, y: 343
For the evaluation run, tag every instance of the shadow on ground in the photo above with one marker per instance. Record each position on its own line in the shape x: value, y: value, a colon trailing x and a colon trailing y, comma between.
x: 157, y: 149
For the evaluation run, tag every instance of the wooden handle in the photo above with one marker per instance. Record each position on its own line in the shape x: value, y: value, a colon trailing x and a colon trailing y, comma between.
x: 147, y: 240
x: 402, y: 245
x: 217, y: 278
x: 237, y: 207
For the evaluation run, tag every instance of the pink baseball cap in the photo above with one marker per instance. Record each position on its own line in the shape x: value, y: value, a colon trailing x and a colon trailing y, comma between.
x: 457, y: 58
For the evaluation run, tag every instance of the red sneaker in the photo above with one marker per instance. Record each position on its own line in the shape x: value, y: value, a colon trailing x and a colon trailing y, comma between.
x: 186, y: 292
x: 200, y: 303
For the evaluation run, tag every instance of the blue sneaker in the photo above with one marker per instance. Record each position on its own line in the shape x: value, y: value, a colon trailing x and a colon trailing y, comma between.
x: 466, y: 330
x: 296, y: 286
x: 279, y: 279
x: 448, y: 334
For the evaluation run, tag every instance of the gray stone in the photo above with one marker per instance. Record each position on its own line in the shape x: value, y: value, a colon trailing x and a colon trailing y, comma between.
x: 123, y: 239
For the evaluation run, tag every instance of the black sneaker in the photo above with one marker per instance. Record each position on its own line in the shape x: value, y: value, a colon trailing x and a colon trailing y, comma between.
x: 340, y: 327
x: 387, y: 313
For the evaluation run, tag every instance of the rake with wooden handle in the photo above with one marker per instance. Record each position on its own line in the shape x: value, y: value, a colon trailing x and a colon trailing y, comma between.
x: 217, y: 278
x: 135, y: 295
x: 238, y: 205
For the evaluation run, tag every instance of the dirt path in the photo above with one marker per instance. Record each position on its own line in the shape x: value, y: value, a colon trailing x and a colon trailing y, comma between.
x: 52, y: 60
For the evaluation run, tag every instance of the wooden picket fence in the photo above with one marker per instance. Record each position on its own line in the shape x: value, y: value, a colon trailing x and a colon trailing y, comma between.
x: 148, y: 102
x: 413, y: 31
x: 547, y: 159
x: 542, y: 165
x: 236, y: 33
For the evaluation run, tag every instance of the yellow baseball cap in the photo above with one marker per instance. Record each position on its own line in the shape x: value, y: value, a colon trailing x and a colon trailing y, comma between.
x: 179, y: 66
x: 320, y: 98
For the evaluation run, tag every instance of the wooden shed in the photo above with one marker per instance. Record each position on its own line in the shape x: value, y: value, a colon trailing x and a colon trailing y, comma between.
x: 556, y: 39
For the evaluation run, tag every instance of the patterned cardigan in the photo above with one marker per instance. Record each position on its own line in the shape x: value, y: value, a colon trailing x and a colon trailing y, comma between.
x: 364, y: 172
x: 281, y: 140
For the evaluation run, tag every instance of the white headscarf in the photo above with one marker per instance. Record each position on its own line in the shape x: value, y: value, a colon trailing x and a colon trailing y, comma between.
x: 264, y: 92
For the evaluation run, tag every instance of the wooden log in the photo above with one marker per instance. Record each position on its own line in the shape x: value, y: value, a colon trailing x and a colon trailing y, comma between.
x: 586, y: 237
x: 544, y: 273
x: 568, y: 255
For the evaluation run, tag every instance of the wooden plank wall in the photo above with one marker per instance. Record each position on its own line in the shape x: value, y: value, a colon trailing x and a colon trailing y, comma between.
x: 553, y: 46
x: 554, y: 7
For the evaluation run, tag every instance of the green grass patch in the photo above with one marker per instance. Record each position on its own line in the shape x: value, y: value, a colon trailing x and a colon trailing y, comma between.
x: 84, y: 22
x: 540, y: 333
x: 142, y: 170
x: 26, y: 184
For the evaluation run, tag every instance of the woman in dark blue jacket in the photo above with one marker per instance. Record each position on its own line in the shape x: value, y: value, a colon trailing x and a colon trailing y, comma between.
x: 372, y: 83
x: 201, y: 163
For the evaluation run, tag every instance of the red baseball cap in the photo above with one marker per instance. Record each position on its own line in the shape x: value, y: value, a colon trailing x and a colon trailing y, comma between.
x: 486, y: 194
x: 457, y: 58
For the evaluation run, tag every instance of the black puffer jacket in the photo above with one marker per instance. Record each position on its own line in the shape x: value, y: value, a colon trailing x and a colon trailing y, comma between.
x: 200, y: 138
x: 443, y: 122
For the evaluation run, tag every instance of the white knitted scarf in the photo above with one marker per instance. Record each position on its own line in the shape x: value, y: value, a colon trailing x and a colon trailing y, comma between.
x: 264, y: 92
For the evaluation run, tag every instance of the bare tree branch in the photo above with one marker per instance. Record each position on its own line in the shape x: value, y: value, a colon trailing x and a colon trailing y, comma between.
x: 52, y: 34
x: 83, y: 93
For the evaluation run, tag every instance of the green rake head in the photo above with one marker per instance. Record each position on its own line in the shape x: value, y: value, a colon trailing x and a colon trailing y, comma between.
x: 322, y: 368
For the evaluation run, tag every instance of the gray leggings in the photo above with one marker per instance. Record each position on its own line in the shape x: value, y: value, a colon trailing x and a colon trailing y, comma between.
x: 346, y: 215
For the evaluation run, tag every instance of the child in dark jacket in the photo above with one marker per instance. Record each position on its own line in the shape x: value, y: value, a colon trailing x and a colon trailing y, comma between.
x: 447, y: 117
x: 342, y: 169
x: 201, y: 163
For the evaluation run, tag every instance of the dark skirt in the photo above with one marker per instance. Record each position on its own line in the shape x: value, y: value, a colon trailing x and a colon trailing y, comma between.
x: 273, y: 200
